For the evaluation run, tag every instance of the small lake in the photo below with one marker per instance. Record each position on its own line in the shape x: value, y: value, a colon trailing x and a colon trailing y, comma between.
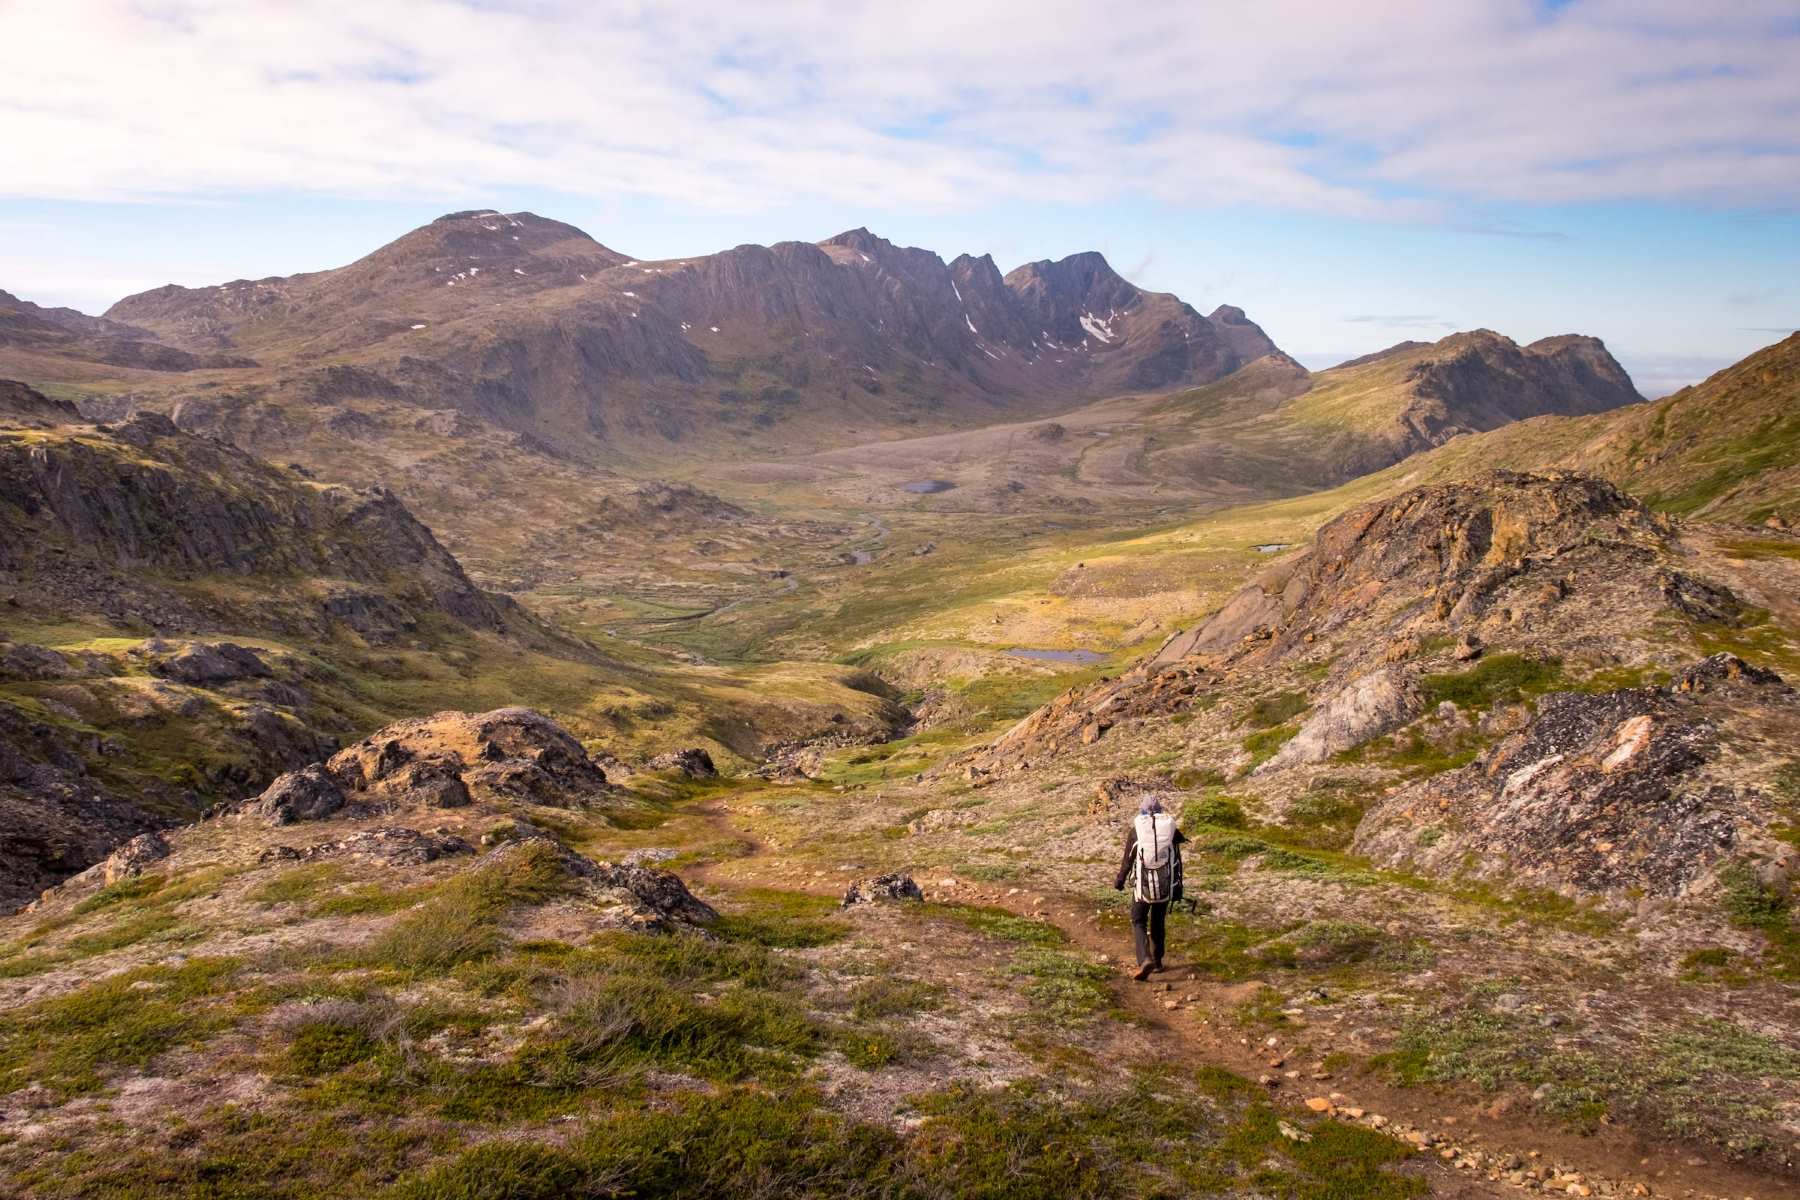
x: 1084, y: 657
x: 1274, y: 547
x: 926, y: 487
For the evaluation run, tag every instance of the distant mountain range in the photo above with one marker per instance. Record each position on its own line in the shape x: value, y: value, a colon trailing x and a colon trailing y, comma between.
x: 535, y: 327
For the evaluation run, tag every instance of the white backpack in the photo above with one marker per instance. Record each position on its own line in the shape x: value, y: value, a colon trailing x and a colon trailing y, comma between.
x: 1158, y: 876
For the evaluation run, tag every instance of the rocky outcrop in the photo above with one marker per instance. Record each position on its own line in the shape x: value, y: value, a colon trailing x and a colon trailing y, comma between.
x: 449, y: 760
x: 646, y: 899
x: 82, y: 503
x: 202, y: 663
x: 393, y: 846
x: 1553, y: 563
x: 694, y: 762
x: 1373, y: 704
x: 22, y: 406
x: 1480, y: 380
x: 1615, y: 795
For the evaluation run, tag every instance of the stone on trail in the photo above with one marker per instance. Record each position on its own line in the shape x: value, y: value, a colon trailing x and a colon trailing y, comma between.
x: 892, y: 886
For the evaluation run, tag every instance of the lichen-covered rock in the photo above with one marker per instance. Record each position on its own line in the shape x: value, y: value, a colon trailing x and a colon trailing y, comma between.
x: 1364, y: 708
x: 310, y: 794
x: 450, y: 760
x: 1618, y: 795
x: 893, y: 886
x: 202, y: 663
x: 620, y: 895
x: 658, y: 900
x: 694, y: 762
x: 511, y: 753
x: 394, y: 846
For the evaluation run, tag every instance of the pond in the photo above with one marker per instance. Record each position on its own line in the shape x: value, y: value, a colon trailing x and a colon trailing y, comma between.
x: 1274, y: 547
x: 1084, y: 657
x: 925, y: 487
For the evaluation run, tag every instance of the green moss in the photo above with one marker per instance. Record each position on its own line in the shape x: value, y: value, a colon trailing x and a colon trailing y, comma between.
x: 69, y: 1043
x: 1263, y: 744
x: 1002, y: 925
x: 500, y: 1171
x: 1496, y: 679
x: 788, y: 920
x: 459, y: 921
x: 1063, y: 987
x: 1275, y: 709
x: 1753, y: 904
x: 1220, y: 812
x: 885, y: 996
x: 612, y: 1022
x: 1192, y: 778
x: 296, y: 884
x: 135, y: 887
x: 324, y: 1047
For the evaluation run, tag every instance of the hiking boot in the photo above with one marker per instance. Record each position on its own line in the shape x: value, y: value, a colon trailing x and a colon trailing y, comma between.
x: 1143, y: 971
x: 1158, y: 967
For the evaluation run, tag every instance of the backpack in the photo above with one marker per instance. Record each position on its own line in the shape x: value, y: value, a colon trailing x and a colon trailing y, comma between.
x: 1158, y: 860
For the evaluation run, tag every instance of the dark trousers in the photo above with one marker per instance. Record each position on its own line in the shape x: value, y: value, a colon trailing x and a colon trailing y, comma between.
x: 1147, y: 922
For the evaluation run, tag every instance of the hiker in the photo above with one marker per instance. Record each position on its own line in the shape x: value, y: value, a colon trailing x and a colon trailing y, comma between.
x: 1154, y: 866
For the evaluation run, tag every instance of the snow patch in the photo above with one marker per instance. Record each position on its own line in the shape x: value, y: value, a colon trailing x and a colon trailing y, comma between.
x: 1101, y: 329
x: 714, y: 328
x: 957, y: 290
x: 970, y: 324
x: 516, y: 271
x: 633, y: 295
x: 418, y: 327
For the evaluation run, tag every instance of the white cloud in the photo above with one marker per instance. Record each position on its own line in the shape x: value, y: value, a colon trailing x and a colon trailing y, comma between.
x: 1413, y: 109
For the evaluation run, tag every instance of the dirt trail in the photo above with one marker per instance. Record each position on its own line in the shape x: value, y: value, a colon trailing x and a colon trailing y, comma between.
x: 1621, y: 1157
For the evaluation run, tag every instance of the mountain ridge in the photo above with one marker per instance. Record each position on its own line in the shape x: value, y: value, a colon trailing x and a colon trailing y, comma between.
x: 536, y: 326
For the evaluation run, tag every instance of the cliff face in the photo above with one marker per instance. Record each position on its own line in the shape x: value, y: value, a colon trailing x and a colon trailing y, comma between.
x: 80, y: 503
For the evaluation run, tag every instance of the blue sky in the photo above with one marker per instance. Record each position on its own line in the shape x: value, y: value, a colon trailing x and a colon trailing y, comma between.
x: 1349, y: 175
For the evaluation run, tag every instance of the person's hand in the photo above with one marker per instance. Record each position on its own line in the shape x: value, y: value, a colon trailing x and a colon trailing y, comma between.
x: 1118, y: 887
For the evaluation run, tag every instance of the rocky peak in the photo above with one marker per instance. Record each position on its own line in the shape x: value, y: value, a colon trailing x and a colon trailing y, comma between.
x: 1245, y: 337
x: 1067, y: 296
x: 1482, y: 380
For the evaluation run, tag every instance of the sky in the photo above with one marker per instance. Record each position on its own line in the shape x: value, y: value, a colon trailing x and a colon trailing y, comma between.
x: 1351, y: 175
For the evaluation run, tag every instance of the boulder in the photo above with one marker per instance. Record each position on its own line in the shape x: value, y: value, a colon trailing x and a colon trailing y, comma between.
x: 309, y: 794
x: 1380, y: 701
x: 202, y: 663
x: 892, y: 886
x: 131, y: 858
x: 658, y: 900
x: 695, y: 763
